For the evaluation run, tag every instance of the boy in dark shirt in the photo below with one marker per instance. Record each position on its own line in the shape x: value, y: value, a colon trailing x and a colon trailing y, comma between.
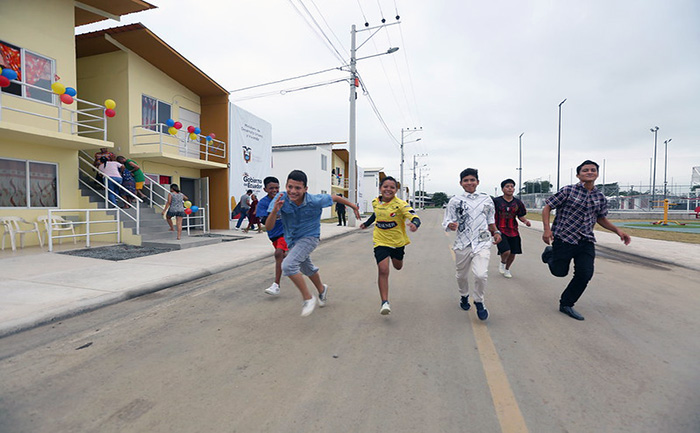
x: 508, y: 208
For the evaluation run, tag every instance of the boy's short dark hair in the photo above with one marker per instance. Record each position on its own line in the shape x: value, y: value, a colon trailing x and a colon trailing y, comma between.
x: 270, y: 179
x: 298, y: 175
x: 586, y: 162
x: 389, y: 178
x: 506, y: 182
x: 469, y: 172
x: 250, y: 191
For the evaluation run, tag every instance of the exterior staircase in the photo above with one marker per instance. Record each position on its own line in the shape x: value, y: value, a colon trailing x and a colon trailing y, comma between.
x: 154, y: 231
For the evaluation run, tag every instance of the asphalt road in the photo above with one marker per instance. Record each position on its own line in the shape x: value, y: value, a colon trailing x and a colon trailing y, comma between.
x: 217, y: 355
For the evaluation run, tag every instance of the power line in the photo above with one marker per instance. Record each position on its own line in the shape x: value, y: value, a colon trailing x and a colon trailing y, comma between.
x: 323, y: 38
x: 283, y: 80
x: 376, y: 111
x: 340, y: 56
x: 329, y: 28
x: 294, y: 89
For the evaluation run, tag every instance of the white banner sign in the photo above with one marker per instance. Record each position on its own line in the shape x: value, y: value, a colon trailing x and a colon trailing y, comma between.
x: 250, y: 153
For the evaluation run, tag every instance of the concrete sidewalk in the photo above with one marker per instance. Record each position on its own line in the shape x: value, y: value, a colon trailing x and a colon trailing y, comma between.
x: 43, y: 287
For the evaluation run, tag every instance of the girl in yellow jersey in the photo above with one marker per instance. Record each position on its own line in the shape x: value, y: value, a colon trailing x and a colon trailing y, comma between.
x: 390, y: 236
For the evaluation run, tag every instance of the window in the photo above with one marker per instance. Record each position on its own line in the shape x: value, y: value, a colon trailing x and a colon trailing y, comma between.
x: 32, y: 69
x: 28, y: 184
x: 154, y: 111
x: 324, y: 162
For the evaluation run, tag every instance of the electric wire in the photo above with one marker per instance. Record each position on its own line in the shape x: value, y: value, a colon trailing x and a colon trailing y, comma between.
x: 363, y: 13
x: 408, y: 70
x: 290, y: 90
x: 376, y: 111
x: 340, y: 56
x: 347, y: 54
x: 323, y: 37
x: 283, y: 80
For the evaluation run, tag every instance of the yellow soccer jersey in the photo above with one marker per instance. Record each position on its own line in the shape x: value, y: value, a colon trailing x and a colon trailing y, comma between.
x: 390, y: 228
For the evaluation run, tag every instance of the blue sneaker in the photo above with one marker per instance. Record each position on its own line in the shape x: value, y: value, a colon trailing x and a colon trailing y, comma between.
x: 464, y: 303
x: 481, y: 311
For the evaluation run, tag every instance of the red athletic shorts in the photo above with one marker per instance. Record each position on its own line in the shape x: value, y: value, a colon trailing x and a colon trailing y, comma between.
x: 280, y: 243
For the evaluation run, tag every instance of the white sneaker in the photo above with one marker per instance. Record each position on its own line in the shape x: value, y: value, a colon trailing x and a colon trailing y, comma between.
x: 273, y: 290
x: 502, y: 268
x: 386, y: 309
x: 507, y: 274
x: 309, y: 306
x: 323, y: 297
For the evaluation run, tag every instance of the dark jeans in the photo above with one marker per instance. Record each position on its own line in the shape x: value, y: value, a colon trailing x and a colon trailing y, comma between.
x: 583, y: 255
x: 244, y: 215
x: 341, y: 218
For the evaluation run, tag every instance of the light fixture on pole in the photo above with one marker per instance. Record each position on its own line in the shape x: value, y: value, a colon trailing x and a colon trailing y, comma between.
x: 520, y: 166
x: 354, y: 84
x: 559, y: 144
x: 655, y: 130
x: 408, y: 132
x: 665, y: 164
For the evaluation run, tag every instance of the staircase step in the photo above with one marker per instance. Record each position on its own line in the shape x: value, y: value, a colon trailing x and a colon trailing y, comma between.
x: 185, y: 242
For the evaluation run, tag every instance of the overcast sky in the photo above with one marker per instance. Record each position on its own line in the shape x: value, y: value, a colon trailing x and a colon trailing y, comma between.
x: 473, y: 75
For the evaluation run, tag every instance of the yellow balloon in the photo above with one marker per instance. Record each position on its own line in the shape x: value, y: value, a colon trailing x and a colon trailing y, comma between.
x: 188, y: 204
x: 58, y: 88
x: 109, y: 103
x: 172, y: 130
x: 193, y: 136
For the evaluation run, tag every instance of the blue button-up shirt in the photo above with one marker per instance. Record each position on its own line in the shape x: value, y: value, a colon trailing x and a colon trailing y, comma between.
x: 304, y: 220
x: 578, y: 209
x: 262, y: 212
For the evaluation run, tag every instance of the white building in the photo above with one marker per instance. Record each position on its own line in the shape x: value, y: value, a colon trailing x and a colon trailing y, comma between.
x: 370, y: 186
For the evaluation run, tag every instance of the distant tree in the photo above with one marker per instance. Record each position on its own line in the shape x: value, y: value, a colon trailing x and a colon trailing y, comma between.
x: 440, y: 198
x: 609, y: 189
x: 536, y: 187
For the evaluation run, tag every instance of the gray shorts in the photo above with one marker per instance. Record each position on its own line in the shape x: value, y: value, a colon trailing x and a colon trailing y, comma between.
x: 299, y: 258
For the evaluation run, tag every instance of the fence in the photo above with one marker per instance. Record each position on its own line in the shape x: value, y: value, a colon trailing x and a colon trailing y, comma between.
x: 89, y: 224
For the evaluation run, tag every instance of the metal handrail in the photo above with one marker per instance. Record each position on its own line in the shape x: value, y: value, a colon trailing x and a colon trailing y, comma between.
x: 87, y: 224
x: 196, y: 217
x: 216, y: 150
x: 82, y: 126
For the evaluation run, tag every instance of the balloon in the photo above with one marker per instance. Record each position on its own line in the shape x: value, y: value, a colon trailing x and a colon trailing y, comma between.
x: 170, y: 122
x: 197, y: 131
x: 212, y: 135
x: 109, y: 112
x: 188, y: 210
x: 58, y: 88
x: 178, y: 125
x: 194, y: 209
x: 9, y: 74
x: 109, y: 103
x: 193, y: 136
x: 172, y: 130
x: 71, y: 91
x: 190, y: 129
x: 66, y: 98
x: 188, y: 204
x: 4, y: 81
x: 208, y: 138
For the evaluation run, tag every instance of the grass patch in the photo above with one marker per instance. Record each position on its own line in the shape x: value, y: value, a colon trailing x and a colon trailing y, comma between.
x: 689, y: 238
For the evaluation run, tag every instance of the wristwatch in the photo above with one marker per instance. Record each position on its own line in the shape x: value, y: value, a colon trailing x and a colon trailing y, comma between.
x: 496, y: 233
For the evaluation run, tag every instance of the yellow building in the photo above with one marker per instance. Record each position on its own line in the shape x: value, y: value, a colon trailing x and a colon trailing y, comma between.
x: 47, y: 142
x: 40, y: 136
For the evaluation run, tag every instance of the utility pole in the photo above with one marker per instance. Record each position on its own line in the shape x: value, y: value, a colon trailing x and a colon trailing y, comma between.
x: 666, y: 164
x: 408, y: 131
x: 520, y: 166
x: 414, y: 176
x: 655, y: 130
x: 559, y: 144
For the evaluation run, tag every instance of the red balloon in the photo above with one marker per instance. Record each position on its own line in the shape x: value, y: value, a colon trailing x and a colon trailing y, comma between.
x: 178, y: 125
x: 4, y: 81
x: 66, y: 98
x: 190, y: 129
x: 110, y: 113
x: 188, y: 211
x: 212, y: 135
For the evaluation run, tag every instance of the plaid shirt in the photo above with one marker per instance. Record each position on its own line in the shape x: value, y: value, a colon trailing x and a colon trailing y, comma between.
x: 578, y: 209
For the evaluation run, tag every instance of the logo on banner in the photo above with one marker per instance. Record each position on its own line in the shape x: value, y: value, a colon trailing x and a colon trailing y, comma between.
x: 251, y: 182
x: 247, y: 154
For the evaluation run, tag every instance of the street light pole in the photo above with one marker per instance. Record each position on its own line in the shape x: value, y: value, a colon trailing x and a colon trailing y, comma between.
x: 665, y: 164
x: 409, y: 131
x: 559, y: 144
x: 414, y: 177
x: 352, y: 139
x: 520, y: 166
x: 655, y: 130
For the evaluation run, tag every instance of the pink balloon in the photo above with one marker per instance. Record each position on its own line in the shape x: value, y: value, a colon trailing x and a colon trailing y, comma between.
x: 212, y: 135
x: 109, y: 112
x: 190, y: 129
x: 178, y: 125
x: 66, y: 98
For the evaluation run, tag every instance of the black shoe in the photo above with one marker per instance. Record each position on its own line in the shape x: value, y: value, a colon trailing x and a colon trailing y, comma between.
x: 464, y: 303
x: 569, y: 311
x: 481, y: 311
x: 547, y: 254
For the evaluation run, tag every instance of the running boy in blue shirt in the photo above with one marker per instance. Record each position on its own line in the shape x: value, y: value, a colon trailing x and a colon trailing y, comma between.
x: 301, y: 217
x: 276, y: 234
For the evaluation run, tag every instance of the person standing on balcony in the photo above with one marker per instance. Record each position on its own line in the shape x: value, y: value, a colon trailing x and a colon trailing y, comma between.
x: 175, y: 207
x: 244, y: 206
x: 136, y: 171
x: 112, y: 170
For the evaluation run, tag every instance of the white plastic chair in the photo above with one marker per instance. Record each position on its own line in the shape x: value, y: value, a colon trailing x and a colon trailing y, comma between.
x: 13, y: 226
x: 58, y: 224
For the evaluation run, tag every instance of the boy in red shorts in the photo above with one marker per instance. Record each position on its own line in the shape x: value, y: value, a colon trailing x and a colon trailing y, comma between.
x: 271, y: 185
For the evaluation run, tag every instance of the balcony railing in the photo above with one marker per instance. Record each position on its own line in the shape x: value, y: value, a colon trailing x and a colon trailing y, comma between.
x: 154, y: 137
x: 88, y: 120
x: 341, y: 182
